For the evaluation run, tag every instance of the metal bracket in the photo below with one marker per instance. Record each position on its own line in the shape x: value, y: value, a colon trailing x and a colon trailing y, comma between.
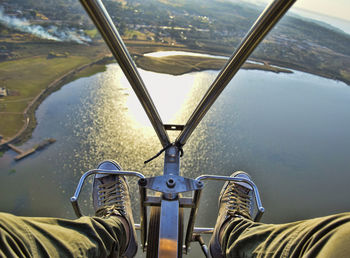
x: 171, y: 127
x: 191, y: 234
x: 260, y: 208
x: 74, y: 198
x: 173, y: 184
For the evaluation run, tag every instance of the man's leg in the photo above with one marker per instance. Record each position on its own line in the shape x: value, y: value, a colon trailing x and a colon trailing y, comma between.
x: 236, y: 235
x: 110, y: 233
x: 320, y: 237
x: 51, y: 237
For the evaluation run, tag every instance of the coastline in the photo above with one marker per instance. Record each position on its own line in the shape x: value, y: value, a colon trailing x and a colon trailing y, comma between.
x: 161, y: 65
x: 29, y: 113
x: 309, y: 70
x: 181, y: 64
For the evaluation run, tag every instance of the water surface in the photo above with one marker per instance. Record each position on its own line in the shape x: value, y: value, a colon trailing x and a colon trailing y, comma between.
x: 289, y: 131
x: 181, y: 53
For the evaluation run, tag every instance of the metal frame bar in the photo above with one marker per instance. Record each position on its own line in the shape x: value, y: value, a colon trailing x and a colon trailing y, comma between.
x: 143, y: 213
x: 169, y: 202
x: 169, y: 230
x: 266, y: 21
x: 191, y: 220
x: 105, y: 25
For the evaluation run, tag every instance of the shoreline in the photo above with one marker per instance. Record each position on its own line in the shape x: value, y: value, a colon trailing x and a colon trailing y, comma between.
x: 181, y: 64
x: 308, y: 70
x: 142, y: 48
x: 210, y: 64
x: 29, y: 113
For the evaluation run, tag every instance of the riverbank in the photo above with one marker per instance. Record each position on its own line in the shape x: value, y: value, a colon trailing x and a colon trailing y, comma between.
x: 335, y: 66
x: 38, y: 68
x: 175, y: 65
x: 178, y: 65
x: 82, y: 71
x: 29, y: 120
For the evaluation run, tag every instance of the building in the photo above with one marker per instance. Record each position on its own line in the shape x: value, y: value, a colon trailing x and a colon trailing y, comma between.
x: 3, y: 92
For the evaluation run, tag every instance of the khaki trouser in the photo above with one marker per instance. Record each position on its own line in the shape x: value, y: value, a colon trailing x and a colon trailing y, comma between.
x: 320, y: 237
x: 97, y: 237
x: 51, y: 237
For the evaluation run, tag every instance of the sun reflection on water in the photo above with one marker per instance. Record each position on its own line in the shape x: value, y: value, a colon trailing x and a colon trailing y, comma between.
x: 167, y: 92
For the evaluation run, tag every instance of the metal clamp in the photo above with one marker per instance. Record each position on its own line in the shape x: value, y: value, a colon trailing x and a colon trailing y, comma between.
x: 74, y: 198
x: 173, y: 184
x: 193, y: 234
x: 260, y: 208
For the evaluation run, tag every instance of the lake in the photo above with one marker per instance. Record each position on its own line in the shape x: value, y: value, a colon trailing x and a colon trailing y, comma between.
x: 291, y: 132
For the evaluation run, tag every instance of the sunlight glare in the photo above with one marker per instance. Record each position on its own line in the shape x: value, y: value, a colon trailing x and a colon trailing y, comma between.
x: 168, y: 95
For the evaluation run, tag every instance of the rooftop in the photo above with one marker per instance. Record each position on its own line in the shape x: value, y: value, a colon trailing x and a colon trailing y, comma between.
x: 3, y: 92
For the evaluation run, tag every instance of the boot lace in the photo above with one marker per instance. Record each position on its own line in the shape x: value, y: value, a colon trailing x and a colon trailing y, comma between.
x: 239, y: 201
x: 111, y: 196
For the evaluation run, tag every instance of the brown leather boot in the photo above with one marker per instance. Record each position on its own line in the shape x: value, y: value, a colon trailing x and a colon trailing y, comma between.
x: 111, y: 196
x: 236, y: 200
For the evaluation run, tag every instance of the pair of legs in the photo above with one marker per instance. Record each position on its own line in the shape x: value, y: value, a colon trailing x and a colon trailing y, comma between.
x: 237, y: 235
x: 111, y: 233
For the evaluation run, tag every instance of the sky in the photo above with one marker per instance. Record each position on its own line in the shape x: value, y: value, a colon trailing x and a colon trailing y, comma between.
x: 336, y: 8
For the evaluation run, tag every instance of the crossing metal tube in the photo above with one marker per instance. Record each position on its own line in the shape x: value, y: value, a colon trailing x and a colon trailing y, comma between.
x: 105, y: 25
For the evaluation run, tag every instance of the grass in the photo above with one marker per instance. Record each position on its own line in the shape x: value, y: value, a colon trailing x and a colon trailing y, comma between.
x: 26, y: 77
x: 17, y: 105
x: 91, y: 33
x: 345, y: 74
x: 91, y: 70
x: 10, y: 124
x: 177, y: 65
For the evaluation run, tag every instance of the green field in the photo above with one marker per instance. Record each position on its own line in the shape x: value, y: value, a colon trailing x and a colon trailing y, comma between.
x: 177, y: 65
x: 25, y: 79
x: 10, y: 124
x: 36, y: 66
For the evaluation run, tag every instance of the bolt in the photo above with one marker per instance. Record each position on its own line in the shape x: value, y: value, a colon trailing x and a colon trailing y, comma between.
x: 170, y: 183
x: 142, y: 182
x: 172, y: 152
x: 200, y: 184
